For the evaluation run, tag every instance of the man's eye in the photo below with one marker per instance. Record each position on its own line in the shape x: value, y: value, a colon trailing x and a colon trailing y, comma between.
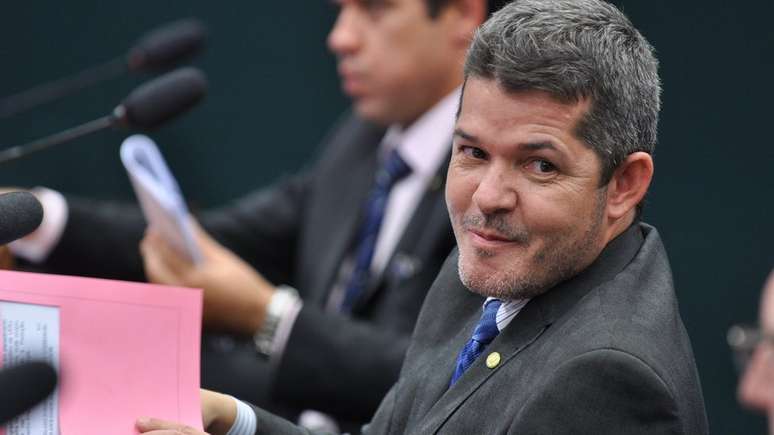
x: 376, y: 7
x: 540, y: 166
x: 476, y: 153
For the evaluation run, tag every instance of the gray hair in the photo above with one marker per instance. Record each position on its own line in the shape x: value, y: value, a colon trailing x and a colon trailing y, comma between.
x: 576, y: 50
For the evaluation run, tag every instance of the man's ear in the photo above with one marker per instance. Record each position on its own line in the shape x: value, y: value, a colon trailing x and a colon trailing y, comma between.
x: 468, y: 15
x: 629, y: 184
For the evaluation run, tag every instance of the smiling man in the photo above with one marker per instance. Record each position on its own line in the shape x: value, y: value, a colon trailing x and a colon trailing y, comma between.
x: 580, y: 331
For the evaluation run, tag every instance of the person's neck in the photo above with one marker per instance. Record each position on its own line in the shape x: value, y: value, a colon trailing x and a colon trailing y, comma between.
x: 620, y: 225
x: 446, y: 90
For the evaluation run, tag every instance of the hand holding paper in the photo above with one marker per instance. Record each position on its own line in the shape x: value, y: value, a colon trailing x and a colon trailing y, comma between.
x: 218, y: 415
x: 159, y: 194
x: 235, y: 295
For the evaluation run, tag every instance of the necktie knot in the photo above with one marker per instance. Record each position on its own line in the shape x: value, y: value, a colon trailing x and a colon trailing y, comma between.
x: 393, y: 169
x: 486, y: 330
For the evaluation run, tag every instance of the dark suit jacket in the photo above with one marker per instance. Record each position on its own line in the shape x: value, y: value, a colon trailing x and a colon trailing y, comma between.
x: 298, y: 233
x: 602, y: 353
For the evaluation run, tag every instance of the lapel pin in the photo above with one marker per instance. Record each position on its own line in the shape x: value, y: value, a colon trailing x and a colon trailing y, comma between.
x: 405, y: 266
x: 493, y: 360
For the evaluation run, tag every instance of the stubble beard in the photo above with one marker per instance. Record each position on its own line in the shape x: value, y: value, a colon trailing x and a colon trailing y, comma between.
x: 555, y: 263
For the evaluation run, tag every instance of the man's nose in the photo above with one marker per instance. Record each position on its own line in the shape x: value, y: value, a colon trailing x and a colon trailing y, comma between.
x: 495, y: 192
x: 344, y: 37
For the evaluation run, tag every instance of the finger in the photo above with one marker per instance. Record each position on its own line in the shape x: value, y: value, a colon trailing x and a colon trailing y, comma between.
x: 156, y: 268
x: 156, y: 426
x: 155, y: 245
x: 145, y: 424
x: 204, y: 239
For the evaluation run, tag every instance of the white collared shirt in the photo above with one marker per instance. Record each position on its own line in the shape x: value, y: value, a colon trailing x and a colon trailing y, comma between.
x: 507, y: 311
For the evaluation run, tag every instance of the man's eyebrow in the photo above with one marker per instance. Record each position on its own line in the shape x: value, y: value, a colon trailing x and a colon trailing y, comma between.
x: 536, y: 146
x: 461, y: 133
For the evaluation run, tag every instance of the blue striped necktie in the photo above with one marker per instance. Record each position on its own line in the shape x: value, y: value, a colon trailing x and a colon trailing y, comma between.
x: 392, y: 170
x: 486, y: 331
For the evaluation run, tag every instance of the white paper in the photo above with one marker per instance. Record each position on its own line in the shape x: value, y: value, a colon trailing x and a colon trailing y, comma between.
x: 159, y: 195
x: 31, y: 333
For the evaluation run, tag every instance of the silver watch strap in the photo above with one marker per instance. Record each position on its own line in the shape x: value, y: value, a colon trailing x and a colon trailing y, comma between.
x: 282, y: 301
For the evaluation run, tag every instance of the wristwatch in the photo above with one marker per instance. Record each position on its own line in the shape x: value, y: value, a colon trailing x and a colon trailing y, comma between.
x: 284, y: 298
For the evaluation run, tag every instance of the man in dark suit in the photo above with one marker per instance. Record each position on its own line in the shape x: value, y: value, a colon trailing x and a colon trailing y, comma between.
x: 361, y: 273
x: 557, y: 314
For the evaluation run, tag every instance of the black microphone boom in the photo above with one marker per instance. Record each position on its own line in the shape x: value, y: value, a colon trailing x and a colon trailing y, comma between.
x: 24, y: 386
x: 158, y: 49
x: 20, y: 214
x: 147, y: 107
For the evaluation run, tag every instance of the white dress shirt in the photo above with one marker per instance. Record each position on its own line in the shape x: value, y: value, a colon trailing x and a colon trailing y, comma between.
x: 507, y: 312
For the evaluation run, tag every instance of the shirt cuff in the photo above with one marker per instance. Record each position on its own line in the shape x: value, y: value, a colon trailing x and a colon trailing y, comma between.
x: 245, y: 423
x: 36, y: 246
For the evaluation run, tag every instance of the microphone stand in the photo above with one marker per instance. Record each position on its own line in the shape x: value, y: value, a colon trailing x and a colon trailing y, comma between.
x: 25, y: 100
x: 19, y: 151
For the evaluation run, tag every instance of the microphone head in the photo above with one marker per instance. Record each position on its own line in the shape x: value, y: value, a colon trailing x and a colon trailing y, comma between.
x: 161, y: 99
x: 167, y: 46
x: 24, y: 386
x: 20, y: 214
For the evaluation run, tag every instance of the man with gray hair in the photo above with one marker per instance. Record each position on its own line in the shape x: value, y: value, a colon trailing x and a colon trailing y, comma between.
x: 580, y: 330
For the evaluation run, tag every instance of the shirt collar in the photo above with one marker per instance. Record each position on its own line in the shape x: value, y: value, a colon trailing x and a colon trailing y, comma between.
x: 425, y: 143
x: 507, y: 311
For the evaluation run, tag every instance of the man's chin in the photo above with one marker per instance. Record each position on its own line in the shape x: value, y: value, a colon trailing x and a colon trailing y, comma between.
x: 371, y: 111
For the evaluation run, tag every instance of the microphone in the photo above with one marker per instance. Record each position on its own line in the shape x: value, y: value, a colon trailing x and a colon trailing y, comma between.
x: 146, y: 107
x: 159, y: 100
x: 158, y: 49
x: 20, y: 214
x: 24, y: 386
x: 167, y: 46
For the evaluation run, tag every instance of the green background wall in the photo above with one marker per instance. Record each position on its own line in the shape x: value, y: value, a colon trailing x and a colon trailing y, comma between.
x: 273, y: 93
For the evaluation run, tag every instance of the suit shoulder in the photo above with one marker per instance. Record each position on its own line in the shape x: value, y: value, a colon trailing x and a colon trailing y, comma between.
x: 350, y: 135
x: 602, y: 391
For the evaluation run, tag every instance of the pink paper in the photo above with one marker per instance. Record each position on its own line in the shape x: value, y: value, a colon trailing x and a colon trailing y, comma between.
x: 126, y: 349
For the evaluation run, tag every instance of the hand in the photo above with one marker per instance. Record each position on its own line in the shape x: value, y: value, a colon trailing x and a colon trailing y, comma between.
x: 235, y: 295
x: 218, y: 415
x: 218, y: 412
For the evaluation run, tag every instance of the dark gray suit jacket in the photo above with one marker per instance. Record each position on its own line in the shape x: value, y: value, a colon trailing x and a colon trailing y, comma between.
x: 602, y: 353
x: 298, y: 232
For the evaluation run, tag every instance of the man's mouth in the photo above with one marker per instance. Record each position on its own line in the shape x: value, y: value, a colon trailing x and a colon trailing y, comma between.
x: 490, y: 239
x: 490, y: 236
x: 351, y: 81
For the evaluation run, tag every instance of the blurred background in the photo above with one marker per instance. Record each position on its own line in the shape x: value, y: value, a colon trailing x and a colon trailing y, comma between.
x: 274, y: 93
